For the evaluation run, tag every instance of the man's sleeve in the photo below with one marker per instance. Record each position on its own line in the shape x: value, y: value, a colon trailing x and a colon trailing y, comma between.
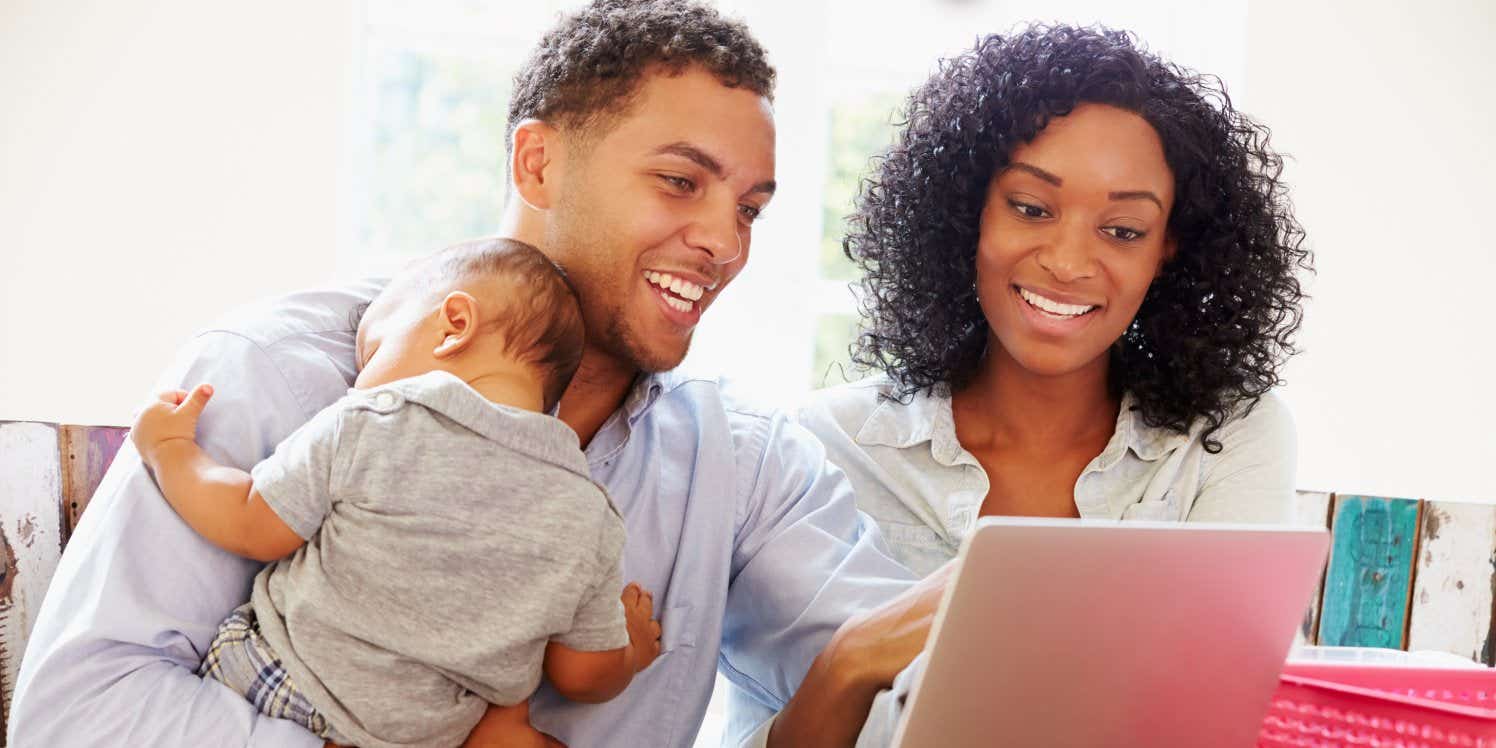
x: 805, y: 560
x: 138, y: 595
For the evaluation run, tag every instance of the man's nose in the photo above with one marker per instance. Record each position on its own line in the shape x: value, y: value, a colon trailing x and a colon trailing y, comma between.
x: 715, y: 232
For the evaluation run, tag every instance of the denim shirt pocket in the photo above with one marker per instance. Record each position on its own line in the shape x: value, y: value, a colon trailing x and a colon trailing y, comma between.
x: 677, y: 628
x: 1157, y: 511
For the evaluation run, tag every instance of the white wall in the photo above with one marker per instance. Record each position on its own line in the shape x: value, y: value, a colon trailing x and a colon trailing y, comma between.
x: 160, y: 162
x: 1389, y: 112
x: 164, y: 160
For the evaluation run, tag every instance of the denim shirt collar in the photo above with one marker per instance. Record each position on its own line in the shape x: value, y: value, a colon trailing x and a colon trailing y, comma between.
x: 927, y: 417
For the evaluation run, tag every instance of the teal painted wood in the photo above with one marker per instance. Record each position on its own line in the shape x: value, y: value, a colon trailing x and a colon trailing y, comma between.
x: 1370, y: 577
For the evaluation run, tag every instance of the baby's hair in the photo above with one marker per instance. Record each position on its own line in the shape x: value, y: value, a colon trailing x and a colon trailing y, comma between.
x: 541, y: 322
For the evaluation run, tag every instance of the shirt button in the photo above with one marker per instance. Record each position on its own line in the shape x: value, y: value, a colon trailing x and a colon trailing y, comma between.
x: 385, y: 399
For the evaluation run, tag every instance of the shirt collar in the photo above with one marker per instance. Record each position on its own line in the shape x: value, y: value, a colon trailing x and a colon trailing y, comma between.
x: 927, y: 417
x: 534, y: 434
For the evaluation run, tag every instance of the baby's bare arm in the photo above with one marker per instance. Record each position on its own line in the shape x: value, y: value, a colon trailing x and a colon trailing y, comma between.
x: 217, y: 501
x: 594, y: 677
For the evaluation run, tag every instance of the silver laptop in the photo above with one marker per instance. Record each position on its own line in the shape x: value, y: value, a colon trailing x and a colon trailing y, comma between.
x: 1095, y: 633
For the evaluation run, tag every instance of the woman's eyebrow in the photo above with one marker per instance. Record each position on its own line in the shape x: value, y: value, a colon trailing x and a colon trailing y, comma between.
x: 1137, y: 195
x: 1036, y: 171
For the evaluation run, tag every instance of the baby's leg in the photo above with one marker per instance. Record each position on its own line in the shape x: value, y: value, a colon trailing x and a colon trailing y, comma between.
x: 241, y: 659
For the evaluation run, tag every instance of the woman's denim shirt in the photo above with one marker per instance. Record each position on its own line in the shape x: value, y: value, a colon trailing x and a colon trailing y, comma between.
x: 925, y: 490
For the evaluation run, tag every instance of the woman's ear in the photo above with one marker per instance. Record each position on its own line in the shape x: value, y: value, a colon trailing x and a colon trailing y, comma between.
x: 1171, y: 247
x: 458, y: 324
x: 534, y: 148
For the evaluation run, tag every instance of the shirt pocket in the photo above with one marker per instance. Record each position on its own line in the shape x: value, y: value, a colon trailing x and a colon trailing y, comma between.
x: 906, y: 535
x: 1156, y: 511
x: 677, y: 628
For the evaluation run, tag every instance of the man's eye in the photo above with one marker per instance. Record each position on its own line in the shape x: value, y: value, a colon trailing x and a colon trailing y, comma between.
x: 749, y: 213
x: 1028, y: 211
x: 1123, y: 233
x: 679, y: 184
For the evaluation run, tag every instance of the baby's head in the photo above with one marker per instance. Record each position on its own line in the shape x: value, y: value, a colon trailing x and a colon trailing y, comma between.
x: 494, y: 312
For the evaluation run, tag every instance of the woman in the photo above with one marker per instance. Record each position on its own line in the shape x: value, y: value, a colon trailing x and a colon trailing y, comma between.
x: 1079, y: 288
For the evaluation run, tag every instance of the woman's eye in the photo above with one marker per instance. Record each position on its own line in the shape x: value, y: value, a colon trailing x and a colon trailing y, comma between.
x: 679, y: 184
x: 1123, y: 233
x: 1028, y: 211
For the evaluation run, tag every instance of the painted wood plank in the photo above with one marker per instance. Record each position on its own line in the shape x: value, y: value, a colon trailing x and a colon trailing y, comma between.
x: 1312, y: 509
x: 87, y: 452
x: 30, y: 537
x: 1370, y: 576
x: 1454, y: 589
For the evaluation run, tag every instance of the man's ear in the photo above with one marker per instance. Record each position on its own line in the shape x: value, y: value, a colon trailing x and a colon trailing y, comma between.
x: 458, y: 324
x: 533, y: 154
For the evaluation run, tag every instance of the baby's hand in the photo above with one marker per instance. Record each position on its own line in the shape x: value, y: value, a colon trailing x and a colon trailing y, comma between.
x: 644, y: 631
x: 172, y: 415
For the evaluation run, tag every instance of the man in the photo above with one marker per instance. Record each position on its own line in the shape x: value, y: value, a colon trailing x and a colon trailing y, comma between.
x: 641, y: 152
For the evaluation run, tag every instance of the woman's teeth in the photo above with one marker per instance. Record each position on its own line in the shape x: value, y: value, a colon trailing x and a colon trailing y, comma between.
x: 683, y: 288
x: 1053, y: 307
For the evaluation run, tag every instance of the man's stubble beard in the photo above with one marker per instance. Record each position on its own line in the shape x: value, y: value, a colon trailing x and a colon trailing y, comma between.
x: 604, y: 297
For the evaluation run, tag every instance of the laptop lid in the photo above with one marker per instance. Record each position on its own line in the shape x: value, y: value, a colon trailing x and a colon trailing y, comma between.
x: 1102, y: 633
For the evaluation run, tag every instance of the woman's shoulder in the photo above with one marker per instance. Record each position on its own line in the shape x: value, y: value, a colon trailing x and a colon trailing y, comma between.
x: 845, y: 407
x: 1266, y: 420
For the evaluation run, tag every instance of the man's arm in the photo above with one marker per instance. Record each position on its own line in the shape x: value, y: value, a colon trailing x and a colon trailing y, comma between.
x: 138, y: 594
x: 216, y: 500
x: 803, y: 614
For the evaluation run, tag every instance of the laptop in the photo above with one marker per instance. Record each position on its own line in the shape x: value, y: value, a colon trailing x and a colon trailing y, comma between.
x: 1094, y: 633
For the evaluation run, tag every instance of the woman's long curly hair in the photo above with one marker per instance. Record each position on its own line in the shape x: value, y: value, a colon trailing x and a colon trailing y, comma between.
x: 1219, y: 319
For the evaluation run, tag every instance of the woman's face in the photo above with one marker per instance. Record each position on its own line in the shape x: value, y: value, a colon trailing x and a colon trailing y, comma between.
x: 1073, y: 232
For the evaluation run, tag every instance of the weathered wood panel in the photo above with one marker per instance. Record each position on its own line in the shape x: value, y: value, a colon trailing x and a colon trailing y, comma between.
x: 1454, y: 590
x: 86, y: 454
x: 1370, y: 576
x: 30, y: 538
x: 1313, y: 510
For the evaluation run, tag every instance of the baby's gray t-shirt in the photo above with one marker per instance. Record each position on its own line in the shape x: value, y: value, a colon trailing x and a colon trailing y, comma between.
x: 448, y: 539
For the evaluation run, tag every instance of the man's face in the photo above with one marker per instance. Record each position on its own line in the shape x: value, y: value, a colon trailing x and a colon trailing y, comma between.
x: 655, y: 214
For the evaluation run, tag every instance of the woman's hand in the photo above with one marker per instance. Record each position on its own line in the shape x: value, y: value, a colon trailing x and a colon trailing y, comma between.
x: 509, y: 727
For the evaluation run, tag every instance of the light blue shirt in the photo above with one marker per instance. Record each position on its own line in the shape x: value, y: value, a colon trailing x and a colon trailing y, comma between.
x: 750, y: 541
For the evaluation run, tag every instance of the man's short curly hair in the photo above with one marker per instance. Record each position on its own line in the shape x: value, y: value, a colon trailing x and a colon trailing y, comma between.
x: 1217, y: 322
x: 591, y: 63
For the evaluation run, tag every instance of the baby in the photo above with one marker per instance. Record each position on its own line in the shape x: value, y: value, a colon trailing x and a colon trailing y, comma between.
x: 437, y: 538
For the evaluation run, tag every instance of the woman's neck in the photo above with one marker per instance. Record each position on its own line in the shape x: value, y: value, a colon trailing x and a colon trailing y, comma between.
x: 1006, y: 405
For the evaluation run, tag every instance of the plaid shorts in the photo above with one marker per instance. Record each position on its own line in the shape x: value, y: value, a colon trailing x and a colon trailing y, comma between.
x: 240, y: 659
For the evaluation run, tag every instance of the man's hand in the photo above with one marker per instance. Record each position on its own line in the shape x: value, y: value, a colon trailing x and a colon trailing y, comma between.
x: 862, y: 658
x: 644, y: 630
x: 509, y: 727
x: 171, y: 416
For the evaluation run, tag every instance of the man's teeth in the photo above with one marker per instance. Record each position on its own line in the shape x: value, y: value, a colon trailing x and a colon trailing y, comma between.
x: 1053, y: 307
x: 684, y: 288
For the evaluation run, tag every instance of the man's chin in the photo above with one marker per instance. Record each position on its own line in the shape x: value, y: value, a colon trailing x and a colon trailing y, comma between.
x: 649, y: 356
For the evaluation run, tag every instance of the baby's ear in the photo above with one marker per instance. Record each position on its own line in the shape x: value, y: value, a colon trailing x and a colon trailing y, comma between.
x: 458, y: 323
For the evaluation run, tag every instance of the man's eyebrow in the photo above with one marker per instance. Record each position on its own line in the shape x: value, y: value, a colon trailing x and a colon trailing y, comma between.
x: 1137, y: 195
x: 706, y: 161
x: 766, y: 187
x: 695, y: 155
x: 1036, y: 171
